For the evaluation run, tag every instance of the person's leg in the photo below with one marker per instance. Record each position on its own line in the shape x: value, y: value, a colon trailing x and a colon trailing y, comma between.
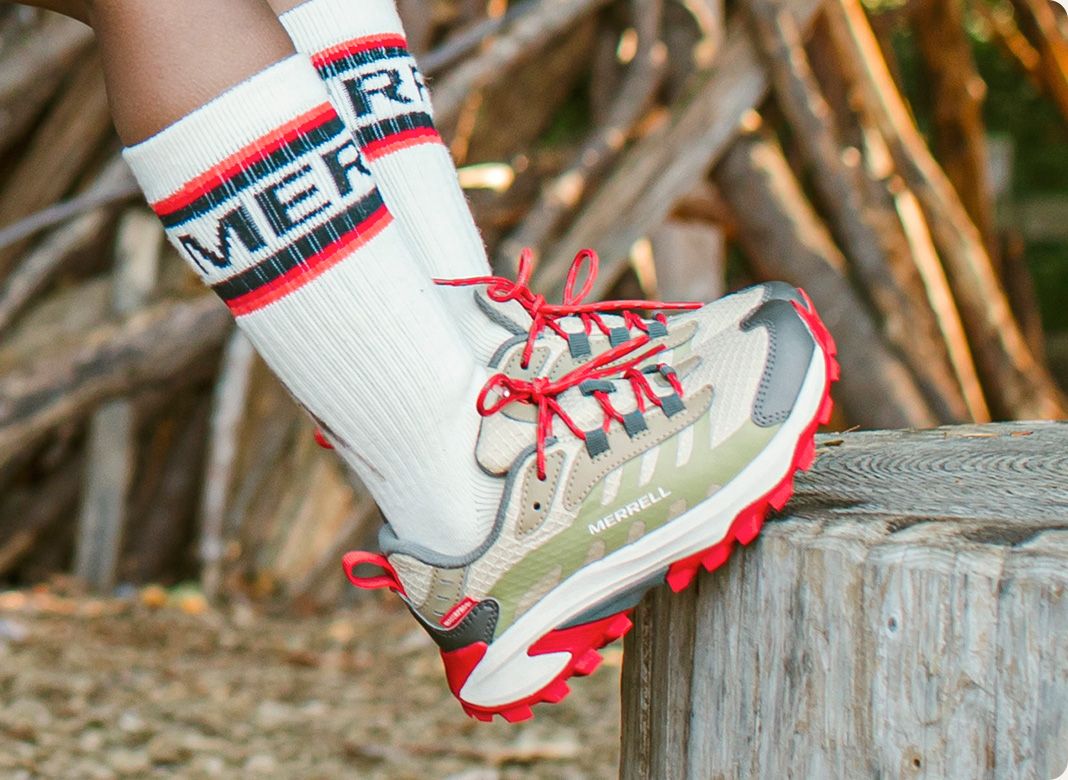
x: 361, y: 53
x: 162, y: 60
x: 263, y: 192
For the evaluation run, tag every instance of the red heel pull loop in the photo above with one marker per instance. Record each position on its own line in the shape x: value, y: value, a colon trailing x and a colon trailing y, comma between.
x: 321, y: 440
x: 388, y: 578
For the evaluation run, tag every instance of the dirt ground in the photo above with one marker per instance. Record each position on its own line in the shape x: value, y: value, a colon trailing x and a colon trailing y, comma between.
x: 119, y: 688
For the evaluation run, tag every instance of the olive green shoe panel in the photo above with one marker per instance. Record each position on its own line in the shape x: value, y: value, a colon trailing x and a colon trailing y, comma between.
x: 586, y: 472
x: 638, y: 508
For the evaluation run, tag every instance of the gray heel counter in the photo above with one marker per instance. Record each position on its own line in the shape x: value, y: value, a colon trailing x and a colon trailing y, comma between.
x: 789, y: 355
x: 781, y: 291
x: 479, y: 625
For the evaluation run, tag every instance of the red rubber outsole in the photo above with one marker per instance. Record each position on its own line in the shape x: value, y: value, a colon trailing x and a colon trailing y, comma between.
x: 584, y: 641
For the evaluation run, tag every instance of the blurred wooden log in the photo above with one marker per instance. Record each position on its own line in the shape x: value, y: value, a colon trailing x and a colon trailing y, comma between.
x: 68, y: 138
x: 154, y: 345
x: 563, y: 194
x: 711, y: 18
x: 957, y: 93
x: 292, y: 503
x: 41, y: 264
x: 514, y: 112
x: 272, y: 422
x: 31, y: 70
x: 906, y: 617
x: 910, y: 251
x: 112, y: 444
x: 468, y: 39
x: 939, y: 297
x: 114, y: 184
x: 228, y: 413
x: 785, y: 239
x: 29, y: 514
x: 1012, y: 42
x: 1037, y: 21
x: 908, y: 323
x: 56, y: 321
x: 109, y: 455
x: 605, y: 69
x: 164, y: 500
x: 654, y: 173
x: 418, y: 24
x: 1017, y: 384
x: 530, y: 32
x: 691, y: 259
x: 320, y: 583
x: 314, y: 511
x: 914, y: 261
x: 1020, y: 288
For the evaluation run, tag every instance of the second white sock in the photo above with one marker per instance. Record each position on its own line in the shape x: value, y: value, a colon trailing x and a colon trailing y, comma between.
x: 377, y: 87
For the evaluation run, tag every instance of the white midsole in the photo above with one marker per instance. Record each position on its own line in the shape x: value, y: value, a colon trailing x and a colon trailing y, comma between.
x: 507, y: 674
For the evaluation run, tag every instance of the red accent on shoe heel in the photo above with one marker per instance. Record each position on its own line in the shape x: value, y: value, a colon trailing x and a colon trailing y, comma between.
x: 322, y: 441
x: 580, y: 642
x: 460, y: 663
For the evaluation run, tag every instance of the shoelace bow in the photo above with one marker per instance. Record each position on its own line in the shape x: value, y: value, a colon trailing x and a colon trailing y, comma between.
x: 542, y: 392
x: 545, y: 315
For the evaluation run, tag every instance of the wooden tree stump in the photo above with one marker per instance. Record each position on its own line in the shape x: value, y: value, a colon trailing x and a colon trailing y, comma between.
x: 906, y: 617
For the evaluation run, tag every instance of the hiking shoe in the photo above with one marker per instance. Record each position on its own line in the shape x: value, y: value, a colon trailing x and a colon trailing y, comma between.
x: 616, y: 476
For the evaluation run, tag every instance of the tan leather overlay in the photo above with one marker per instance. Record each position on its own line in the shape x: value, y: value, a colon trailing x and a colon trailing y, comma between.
x: 586, y: 472
x: 537, y: 496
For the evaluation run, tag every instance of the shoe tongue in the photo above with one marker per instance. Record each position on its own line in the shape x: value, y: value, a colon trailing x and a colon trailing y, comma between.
x: 513, y: 317
x: 501, y: 440
x: 510, y: 315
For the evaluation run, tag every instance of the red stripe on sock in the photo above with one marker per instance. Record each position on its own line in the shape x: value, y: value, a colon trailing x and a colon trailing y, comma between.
x: 357, y: 45
x: 249, y: 155
x: 409, y: 138
x: 313, y: 267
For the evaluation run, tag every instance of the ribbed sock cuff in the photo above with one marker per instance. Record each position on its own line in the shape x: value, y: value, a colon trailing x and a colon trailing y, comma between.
x: 262, y: 189
x: 247, y: 119
x: 318, y: 25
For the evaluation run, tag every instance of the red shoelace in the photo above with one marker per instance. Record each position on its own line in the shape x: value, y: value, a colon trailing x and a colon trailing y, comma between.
x: 542, y: 392
x: 545, y: 315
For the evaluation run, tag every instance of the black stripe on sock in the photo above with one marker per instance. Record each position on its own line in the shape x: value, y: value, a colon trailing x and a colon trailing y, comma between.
x: 247, y: 177
x: 387, y: 128
x: 273, y: 268
x: 361, y: 59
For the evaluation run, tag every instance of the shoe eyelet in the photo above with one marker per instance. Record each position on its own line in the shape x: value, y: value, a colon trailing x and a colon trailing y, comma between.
x: 537, y: 506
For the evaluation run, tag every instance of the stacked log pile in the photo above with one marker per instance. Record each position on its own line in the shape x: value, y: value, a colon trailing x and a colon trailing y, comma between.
x: 140, y: 438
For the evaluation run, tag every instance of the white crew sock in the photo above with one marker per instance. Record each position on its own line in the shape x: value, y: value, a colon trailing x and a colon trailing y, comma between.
x: 262, y: 191
x: 361, y: 53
